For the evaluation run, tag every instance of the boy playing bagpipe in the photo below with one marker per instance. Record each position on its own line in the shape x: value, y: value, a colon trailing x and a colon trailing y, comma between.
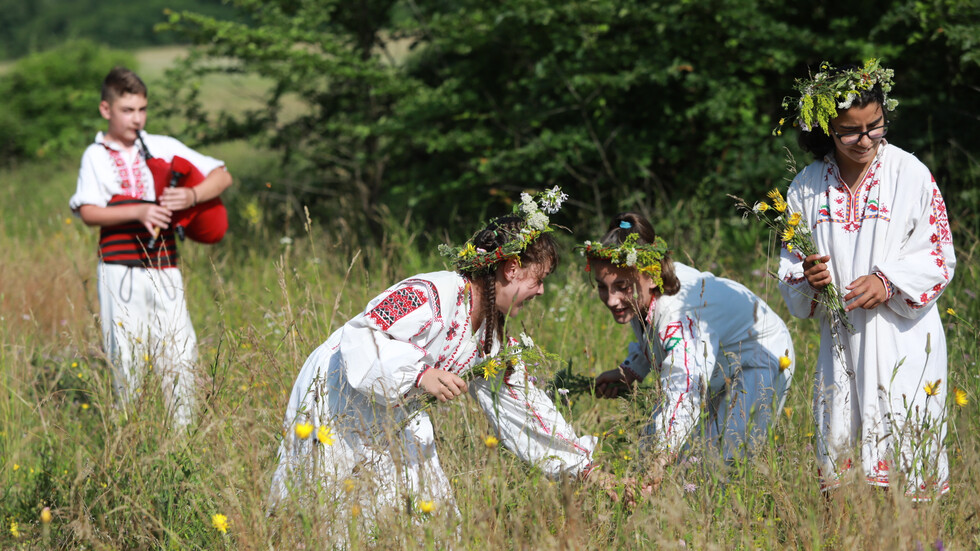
x: 129, y: 186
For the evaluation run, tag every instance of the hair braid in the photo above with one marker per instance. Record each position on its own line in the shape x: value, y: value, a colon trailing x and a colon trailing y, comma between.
x: 490, y: 313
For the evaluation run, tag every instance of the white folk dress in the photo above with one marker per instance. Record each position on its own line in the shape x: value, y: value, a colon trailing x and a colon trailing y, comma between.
x: 869, y: 396
x: 362, y: 384
x: 717, y: 348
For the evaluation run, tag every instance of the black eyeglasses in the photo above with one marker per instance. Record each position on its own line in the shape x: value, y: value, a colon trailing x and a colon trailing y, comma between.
x: 852, y: 138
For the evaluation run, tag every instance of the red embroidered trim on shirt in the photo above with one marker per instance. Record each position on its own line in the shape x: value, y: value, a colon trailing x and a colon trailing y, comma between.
x: 134, y: 188
x: 940, y: 236
x: 852, y: 208
x: 397, y: 305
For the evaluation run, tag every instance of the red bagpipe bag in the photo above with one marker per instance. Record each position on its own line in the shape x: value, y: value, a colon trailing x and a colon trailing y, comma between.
x: 205, y: 222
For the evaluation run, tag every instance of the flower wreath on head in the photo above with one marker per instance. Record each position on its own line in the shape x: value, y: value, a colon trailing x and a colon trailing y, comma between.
x: 645, y: 258
x: 534, y: 209
x: 829, y: 90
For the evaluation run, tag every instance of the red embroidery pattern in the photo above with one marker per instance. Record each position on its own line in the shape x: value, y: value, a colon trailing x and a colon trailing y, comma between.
x: 544, y: 426
x: 396, y: 306
x: 852, y: 209
x: 457, y: 333
x: 134, y: 189
x: 672, y: 336
x: 879, y: 477
x: 940, y: 236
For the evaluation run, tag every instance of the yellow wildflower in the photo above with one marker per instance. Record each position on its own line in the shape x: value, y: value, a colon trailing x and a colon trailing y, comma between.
x: 467, y: 251
x: 779, y: 206
x: 304, y: 430
x: 789, y: 412
x: 960, y: 397
x: 491, y: 441
x: 782, y: 121
x: 13, y: 529
x: 761, y: 206
x: 74, y: 364
x: 784, y: 363
x: 84, y: 406
x: 491, y: 368
x: 794, y: 219
x: 789, y: 247
x: 220, y: 523
x: 355, y: 510
x: 788, y: 234
x: 951, y: 312
x: 16, y: 466
x: 932, y: 388
x: 46, y: 515
x: 775, y: 196
x: 324, y: 435
x: 348, y: 485
x: 427, y: 507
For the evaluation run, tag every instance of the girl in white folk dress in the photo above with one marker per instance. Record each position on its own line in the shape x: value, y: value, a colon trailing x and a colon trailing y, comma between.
x: 357, y: 399
x: 880, y: 225
x: 716, y: 347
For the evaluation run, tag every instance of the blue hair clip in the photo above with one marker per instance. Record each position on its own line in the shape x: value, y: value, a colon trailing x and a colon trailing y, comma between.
x: 625, y: 224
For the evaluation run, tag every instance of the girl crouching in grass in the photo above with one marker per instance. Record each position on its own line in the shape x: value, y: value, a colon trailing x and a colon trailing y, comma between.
x: 724, y: 358
x: 356, y: 416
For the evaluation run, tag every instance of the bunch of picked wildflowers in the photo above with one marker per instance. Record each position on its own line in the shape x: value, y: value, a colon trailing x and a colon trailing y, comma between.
x: 795, y: 234
x: 496, y: 369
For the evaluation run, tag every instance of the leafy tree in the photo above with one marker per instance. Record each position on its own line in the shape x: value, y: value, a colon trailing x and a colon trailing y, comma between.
x: 51, y: 100
x: 624, y: 103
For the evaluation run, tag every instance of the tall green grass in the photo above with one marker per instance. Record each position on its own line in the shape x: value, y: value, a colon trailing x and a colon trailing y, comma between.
x: 264, y: 298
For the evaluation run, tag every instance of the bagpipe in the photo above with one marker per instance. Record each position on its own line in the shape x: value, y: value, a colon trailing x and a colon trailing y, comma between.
x: 205, y: 222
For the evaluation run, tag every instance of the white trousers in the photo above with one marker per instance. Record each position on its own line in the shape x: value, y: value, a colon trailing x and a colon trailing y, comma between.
x: 145, y: 325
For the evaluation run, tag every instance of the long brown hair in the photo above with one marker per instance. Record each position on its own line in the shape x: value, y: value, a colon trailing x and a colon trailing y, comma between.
x: 623, y: 225
x: 543, y: 251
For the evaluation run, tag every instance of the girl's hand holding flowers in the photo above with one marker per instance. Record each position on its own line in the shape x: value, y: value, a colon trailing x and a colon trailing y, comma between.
x: 816, y: 272
x: 442, y: 384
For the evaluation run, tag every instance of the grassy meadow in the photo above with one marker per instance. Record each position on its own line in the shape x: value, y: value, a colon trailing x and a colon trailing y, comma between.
x: 278, y: 285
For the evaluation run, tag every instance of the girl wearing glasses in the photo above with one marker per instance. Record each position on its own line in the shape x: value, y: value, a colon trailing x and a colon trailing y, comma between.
x: 880, y: 225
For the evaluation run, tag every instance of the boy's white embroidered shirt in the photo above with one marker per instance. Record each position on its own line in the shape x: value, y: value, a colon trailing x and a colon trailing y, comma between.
x: 99, y: 180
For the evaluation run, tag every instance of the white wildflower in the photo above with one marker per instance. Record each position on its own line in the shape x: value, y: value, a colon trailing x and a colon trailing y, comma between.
x: 631, y: 257
x: 528, y: 206
x: 537, y: 220
x: 848, y: 100
x: 526, y: 341
x: 552, y: 199
x: 286, y: 241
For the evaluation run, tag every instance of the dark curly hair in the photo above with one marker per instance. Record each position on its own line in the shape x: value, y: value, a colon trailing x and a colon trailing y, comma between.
x: 543, y: 251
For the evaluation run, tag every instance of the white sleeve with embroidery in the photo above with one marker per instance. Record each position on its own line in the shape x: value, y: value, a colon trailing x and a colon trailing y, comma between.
x: 384, y: 349
x: 530, y: 426
x: 800, y: 297
x: 923, y: 263
x: 685, y: 371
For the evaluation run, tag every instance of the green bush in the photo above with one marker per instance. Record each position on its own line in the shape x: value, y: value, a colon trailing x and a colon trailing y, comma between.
x: 52, y: 98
